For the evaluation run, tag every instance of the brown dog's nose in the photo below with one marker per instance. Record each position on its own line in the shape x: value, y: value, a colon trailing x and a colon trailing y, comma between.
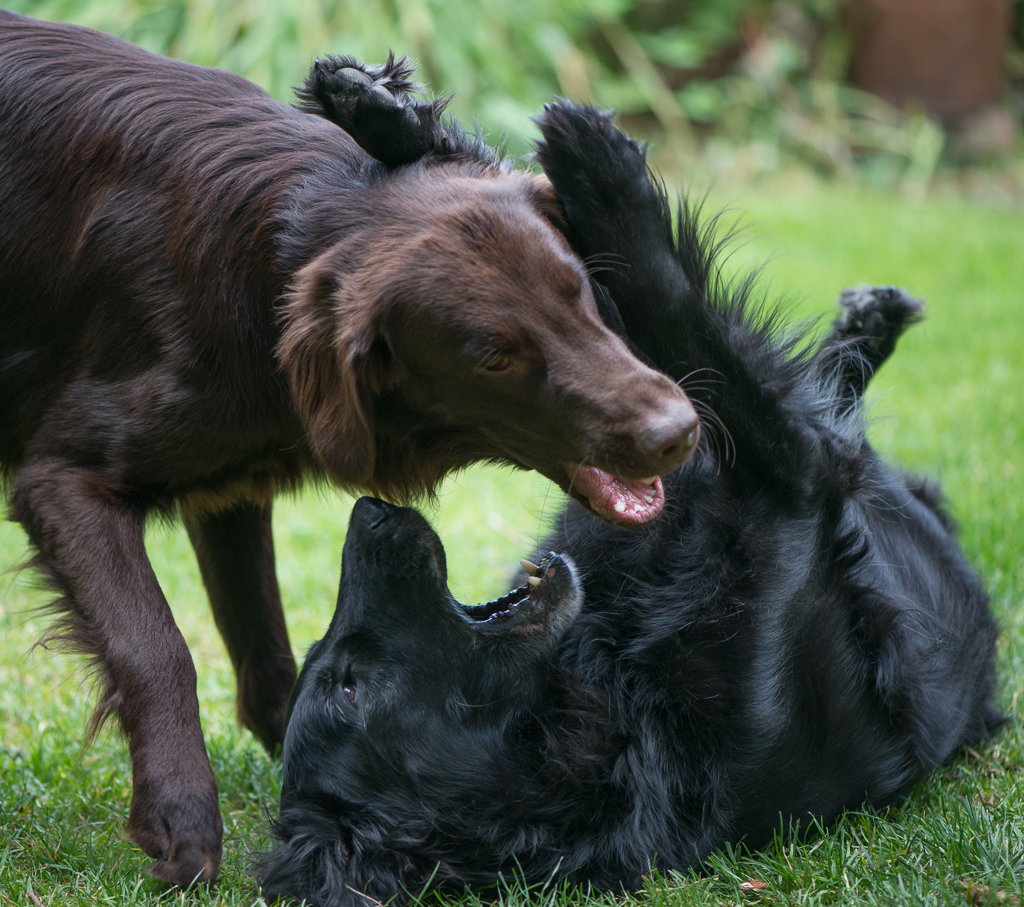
x: 670, y: 438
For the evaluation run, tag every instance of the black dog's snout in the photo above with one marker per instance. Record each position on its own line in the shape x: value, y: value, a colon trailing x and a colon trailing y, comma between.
x: 372, y: 512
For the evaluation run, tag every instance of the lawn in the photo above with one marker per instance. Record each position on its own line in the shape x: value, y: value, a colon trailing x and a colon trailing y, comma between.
x: 950, y: 403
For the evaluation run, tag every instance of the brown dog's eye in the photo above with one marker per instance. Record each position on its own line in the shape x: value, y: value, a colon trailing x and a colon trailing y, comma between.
x: 496, y: 363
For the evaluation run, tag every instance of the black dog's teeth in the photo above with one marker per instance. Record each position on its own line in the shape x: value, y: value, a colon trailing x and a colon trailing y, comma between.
x: 509, y: 602
x: 537, y: 572
x: 533, y: 570
x: 528, y: 593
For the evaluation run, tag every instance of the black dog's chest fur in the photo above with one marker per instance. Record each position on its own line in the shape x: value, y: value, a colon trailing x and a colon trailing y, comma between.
x: 768, y: 653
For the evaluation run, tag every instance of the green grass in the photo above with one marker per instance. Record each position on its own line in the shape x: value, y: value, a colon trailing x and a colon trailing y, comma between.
x: 950, y: 403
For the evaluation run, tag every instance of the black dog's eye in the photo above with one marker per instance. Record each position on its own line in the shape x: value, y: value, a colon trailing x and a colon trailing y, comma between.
x: 348, y: 686
x: 497, y: 362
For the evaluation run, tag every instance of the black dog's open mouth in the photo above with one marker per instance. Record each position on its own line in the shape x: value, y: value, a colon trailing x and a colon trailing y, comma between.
x: 549, y: 600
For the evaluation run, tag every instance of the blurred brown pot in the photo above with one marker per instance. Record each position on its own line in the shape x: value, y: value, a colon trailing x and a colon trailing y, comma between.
x: 946, y: 55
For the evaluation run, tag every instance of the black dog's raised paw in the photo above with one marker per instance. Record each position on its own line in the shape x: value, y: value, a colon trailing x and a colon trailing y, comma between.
x: 338, y: 86
x: 373, y: 104
x: 601, y: 177
x: 864, y: 335
x: 874, y: 318
x: 599, y: 173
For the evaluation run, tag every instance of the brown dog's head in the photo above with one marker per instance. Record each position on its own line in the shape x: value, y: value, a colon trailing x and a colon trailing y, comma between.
x: 456, y: 325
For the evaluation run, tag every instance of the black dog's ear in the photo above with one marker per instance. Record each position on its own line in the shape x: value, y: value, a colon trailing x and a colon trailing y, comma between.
x: 373, y: 104
x: 313, y: 865
x: 321, y: 863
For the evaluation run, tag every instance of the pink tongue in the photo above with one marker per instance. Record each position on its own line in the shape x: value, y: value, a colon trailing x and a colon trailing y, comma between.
x: 618, y: 500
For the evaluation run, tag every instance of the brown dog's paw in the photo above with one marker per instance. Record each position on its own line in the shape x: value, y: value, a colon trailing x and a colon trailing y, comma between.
x: 187, y: 867
x: 181, y: 829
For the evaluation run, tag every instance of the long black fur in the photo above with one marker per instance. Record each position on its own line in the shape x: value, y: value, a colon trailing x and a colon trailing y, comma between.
x: 797, y: 634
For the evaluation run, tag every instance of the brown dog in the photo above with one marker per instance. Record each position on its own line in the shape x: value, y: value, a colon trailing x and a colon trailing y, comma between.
x: 207, y: 295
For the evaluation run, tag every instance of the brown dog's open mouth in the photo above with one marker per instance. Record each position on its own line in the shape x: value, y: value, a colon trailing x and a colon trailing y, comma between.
x: 549, y: 600
x: 630, y: 501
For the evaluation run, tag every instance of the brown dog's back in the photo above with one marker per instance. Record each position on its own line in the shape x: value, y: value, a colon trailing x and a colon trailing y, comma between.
x: 137, y: 247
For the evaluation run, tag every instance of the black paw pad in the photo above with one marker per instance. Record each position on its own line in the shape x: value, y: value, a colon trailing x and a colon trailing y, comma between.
x: 877, y: 312
x: 374, y: 105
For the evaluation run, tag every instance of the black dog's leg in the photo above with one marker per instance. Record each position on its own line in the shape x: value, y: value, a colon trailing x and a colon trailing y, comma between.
x: 864, y: 335
x: 235, y: 550
x: 601, y: 177
x: 663, y: 285
x: 372, y: 103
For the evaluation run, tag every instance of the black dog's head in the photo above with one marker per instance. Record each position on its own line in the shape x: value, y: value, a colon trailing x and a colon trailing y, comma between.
x: 402, y: 715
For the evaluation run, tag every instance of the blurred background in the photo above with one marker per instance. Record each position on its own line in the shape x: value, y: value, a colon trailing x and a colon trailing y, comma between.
x: 894, y: 93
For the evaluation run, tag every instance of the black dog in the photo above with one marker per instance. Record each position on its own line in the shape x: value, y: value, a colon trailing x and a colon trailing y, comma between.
x: 798, y: 633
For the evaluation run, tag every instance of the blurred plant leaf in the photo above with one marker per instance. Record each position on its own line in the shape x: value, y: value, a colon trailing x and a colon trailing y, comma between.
x: 693, y: 74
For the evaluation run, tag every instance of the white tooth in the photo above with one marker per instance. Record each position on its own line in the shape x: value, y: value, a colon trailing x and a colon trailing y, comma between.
x: 637, y: 508
x: 529, y: 567
x: 649, y: 498
x: 620, y: 506
x: 534, y: 580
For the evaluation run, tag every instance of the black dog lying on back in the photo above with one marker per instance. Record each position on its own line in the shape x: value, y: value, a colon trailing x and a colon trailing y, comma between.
x: 797, y: 634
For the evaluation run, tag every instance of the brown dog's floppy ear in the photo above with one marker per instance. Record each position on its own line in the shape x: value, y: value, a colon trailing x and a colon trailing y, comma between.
x: 548, y: 203
x: 325, y: 348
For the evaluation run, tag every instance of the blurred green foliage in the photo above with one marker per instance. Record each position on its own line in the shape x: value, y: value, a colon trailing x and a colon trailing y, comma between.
x: 741, y: 86
x: 501, y: 58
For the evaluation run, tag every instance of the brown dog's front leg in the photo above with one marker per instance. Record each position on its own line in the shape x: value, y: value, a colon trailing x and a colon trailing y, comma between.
x: 235, y: 550
x: 91, y: 545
